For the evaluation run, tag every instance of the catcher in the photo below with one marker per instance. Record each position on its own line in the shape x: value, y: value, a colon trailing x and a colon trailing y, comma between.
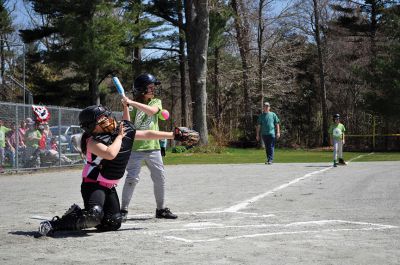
x: 107, y: 145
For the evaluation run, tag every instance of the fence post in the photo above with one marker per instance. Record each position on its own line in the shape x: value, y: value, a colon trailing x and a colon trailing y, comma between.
x: 59, y: 137
x: 17, y: 138
x: 373, y: 133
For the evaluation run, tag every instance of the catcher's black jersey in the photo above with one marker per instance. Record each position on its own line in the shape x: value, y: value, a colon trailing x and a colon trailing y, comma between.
x: 113, y: 169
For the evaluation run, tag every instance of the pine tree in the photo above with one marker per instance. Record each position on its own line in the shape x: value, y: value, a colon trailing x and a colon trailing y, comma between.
x: 83, y: 41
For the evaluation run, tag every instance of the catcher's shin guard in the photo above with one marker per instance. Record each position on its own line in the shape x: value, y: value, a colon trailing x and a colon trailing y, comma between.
x: 77, y: 219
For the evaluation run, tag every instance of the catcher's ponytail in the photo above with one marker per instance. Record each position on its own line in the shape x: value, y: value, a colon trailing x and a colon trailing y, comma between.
x: 85, y: 136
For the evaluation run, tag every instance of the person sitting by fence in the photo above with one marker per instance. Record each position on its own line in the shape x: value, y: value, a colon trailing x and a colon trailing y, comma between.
x: 32, y: 138
x: 52, y: 155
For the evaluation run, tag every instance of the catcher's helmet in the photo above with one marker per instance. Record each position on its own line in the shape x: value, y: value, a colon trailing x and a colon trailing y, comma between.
x: 88, y: 117
x: 141, y: 82
x: 336, y: 116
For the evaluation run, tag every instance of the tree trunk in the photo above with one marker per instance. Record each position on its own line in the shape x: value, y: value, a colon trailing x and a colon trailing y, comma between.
x: 242, y: 27
x: 217, y: 97
x: 182, y: 68
x: 197, y: 33
x: 3, y: 59
x: 321, y: 72
x: 260, y: 35
x: 94, y: 87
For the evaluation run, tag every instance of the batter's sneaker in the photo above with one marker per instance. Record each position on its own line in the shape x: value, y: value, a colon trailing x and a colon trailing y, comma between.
x: 124, y: 214
x: 45, y: 228
x: 165, y: 213
x: 335, y: 163
x: 342, y: 162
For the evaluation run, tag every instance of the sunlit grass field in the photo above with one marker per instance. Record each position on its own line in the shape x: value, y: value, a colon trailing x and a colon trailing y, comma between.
x: 239, y: 156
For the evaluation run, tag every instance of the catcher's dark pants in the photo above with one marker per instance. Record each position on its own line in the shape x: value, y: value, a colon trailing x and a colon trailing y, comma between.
x: 269, y: 141
x: 94, y: 194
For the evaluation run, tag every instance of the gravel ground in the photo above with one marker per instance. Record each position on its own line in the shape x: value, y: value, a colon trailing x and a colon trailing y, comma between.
x: 228, y: 214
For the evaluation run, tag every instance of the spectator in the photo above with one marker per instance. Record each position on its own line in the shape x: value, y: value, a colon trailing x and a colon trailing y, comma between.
x: 11, y: 144
x: 3, y: 131
x: 268, y: 124
x: 21, y: 136
x: 32, y: 138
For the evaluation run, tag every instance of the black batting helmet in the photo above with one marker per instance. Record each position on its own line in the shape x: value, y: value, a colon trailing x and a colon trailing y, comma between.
x: 336, y: 116
x: 141, y: 82
x: 88, y: 117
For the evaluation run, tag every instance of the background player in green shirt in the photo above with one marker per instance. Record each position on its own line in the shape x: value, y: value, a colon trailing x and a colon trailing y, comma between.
x: 336, y: 132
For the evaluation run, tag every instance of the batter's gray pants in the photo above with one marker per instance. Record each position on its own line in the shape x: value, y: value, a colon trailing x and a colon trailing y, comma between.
x: 155, y: 164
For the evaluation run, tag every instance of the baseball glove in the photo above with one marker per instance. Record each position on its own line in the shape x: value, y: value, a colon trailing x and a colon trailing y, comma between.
x: 186, y: 136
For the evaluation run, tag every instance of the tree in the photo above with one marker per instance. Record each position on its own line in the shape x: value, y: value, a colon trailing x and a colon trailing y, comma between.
x: 385, y: 97
x: 86, y: 40
x: 173, y: 12
x: 314, y: 22
x: 197, y: 34
x: 6, y: 28
x: 243, y: 30
x: 219, y: 17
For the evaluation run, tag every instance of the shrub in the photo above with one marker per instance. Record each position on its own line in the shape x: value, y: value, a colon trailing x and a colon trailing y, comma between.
x: 179, y: 149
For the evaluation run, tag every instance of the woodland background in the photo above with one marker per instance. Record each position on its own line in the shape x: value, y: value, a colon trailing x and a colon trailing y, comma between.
x: 217, y: 61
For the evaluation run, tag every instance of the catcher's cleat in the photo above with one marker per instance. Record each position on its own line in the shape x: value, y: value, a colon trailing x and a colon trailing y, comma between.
x: 45, y: 228
x: 342, y: 162
x: 165, y: 213
x: 124, y: 216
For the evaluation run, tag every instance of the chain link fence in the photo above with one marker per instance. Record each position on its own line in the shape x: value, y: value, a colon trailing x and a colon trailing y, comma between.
x: 27, y: 145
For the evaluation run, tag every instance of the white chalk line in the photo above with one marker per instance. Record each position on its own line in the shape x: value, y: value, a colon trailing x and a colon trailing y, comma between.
x: 244, y: 204
x: 269, y: 234
x: 357, y: 157
x: 373, y: 227
x: 204, y: 226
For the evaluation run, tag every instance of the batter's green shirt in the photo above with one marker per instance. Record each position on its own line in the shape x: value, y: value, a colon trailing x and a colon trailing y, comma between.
x: 144, y: 122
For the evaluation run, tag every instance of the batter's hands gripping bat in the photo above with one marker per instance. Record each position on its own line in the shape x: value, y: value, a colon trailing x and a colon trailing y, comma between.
x: 120, y: 89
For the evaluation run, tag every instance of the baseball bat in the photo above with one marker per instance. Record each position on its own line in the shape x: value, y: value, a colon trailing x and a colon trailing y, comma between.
x: 120, y: 88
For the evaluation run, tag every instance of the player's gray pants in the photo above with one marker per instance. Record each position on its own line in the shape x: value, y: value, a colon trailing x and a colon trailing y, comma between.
x: 155, y: 164
x: 337, y: 149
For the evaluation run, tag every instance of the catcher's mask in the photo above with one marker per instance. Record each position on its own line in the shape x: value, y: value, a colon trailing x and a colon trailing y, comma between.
x: 142, y: 81
x: 96, y: 115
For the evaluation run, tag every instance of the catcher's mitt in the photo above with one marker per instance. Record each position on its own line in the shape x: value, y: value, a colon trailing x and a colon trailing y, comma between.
x: 186, y: 136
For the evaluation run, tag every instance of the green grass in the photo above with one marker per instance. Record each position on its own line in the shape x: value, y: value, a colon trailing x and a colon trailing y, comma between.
x: 240, y: 156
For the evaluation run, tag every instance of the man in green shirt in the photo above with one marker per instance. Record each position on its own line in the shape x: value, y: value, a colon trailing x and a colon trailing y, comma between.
x: 3, y: 131
x: 336, y: 132
x: 268, y: 126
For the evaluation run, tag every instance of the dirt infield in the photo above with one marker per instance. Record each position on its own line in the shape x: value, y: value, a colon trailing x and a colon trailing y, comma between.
x: 228, y: 214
